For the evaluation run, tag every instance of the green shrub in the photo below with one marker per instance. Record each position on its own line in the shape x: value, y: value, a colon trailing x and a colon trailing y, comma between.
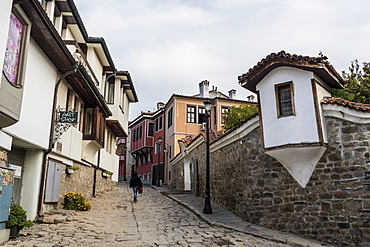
x: 18, y: 217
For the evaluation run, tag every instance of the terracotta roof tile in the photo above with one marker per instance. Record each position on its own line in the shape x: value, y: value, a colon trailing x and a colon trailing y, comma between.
x: 282, y: 58
x: 346, y: 103
x: 213, y: 135
x: 187, y: 140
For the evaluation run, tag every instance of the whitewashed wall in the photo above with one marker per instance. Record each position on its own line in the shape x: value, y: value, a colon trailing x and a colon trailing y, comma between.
x: 321, y: 93
x: 35, y: 118
x: 288, y: 130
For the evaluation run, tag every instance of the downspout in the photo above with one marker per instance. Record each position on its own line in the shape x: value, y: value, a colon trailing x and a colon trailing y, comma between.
x: 98, y: 161
x: 51, y: 136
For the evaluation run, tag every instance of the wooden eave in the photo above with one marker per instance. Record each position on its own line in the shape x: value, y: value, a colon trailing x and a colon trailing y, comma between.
x: 116, y: 127
x: 317, y: 65
x: 47, y: 37
x: 49, y: 41
x: 128, y: 85
x: 86, y: 90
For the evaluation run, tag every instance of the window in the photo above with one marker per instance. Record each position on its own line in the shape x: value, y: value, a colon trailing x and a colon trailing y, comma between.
x: 89, y: 113
x: 190, y: 114
x: 110, y: 143
x: 202, y: 115
x: 284, y: 99
x: 110, y: 93
x: 224, y: 110
x: 150, y: 129
x: 94, y: 125
x: 169, y: 120
x: 14, y: 49
x: 215, y: 118
x: 158, y: 124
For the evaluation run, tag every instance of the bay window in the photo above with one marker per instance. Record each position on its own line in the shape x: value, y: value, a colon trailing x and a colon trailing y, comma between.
x: 94, y: 125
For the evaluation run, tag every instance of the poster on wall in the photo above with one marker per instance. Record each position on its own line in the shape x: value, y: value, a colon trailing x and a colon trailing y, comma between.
x: 13, y: 48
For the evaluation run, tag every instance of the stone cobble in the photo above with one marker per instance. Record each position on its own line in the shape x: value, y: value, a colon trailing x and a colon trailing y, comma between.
x: 114, y: 220
x: 334, y: 207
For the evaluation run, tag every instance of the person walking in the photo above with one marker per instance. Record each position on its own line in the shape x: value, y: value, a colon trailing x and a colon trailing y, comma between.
x: 135, y: 184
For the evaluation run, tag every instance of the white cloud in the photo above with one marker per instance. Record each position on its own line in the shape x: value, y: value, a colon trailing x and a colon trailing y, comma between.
x: 169, y: 46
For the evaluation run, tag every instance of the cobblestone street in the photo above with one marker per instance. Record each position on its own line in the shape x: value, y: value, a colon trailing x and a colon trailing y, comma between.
x: 114, y: 220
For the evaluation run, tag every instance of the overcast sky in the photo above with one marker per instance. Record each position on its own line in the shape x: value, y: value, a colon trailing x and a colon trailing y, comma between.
x: 169, y: 46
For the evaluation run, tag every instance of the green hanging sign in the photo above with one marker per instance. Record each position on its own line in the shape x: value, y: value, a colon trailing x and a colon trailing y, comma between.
x: 68, y: 117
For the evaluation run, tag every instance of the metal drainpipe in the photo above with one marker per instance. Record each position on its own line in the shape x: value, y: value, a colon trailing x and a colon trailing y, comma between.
x: 51, y: 136
x: 98, y: 161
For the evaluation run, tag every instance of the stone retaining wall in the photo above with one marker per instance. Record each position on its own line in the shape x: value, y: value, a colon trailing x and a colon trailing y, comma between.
x: 82, y: 182
x: 334, y: 207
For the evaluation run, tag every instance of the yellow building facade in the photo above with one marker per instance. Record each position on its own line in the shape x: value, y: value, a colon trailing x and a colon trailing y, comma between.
x: 186, y: 118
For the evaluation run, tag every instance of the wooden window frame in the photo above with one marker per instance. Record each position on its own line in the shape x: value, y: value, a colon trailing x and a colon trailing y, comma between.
x: 110, y: 92
x: 279, y: 102
x: 202, y: 118
x: 191, y: 115
x: 96, y: 125
x: 224, y: 110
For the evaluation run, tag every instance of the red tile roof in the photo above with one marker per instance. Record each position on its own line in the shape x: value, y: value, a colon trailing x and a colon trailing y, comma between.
x: 319, y: 65
x: 346, y: 103
x: 187, y: 140
x: 213, y: 135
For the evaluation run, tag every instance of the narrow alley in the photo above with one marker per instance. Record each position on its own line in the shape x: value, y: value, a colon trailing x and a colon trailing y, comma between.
x: 114, y: 220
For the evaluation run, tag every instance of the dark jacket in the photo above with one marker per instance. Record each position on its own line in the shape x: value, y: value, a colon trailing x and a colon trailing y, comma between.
x: 135, y: 181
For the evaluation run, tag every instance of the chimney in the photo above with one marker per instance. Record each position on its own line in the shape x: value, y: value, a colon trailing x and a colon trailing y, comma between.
x: 160, y: 105
x: 232, y: 94
x: 204, y: 89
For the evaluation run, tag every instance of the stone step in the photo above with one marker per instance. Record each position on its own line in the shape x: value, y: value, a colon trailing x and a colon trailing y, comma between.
x: 56, y: 216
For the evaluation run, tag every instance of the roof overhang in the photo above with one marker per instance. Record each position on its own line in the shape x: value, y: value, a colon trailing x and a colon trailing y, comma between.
x: 117, y: 128
x: 47, y: 37
x: 318, y: 65
x: 82, y: 83
x: 72, y: 18
x: 128, y: 85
